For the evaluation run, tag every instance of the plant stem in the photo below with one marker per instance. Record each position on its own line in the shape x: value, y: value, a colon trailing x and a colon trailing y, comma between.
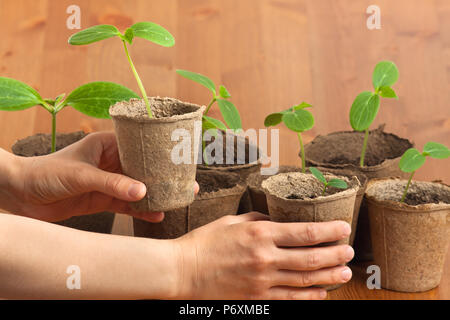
x: 139, y: 82
x: 302, y: 150
x: 407, y: 187
x: 209, y: 106
x: 363, y: 152
x: 53, y: 131
x: 324, y: 189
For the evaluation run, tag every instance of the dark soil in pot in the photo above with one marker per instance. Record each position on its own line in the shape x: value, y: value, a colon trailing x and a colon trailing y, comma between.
x: 410, y: 240
x: 297, y: 197
x: 242, y: 164
x: 220, y: 193
x: 342, y: 150
x: 145, y: 149
x: 40, y: 145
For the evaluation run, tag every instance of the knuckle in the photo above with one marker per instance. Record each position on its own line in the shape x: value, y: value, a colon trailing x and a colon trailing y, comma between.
x: 313, y: 260
x: 306, y: 279
x: 227, y: 219
x: 258, y: 231
x: 311, y: 233
x: 112, y: 183
x: 314, y: 295
x: 259, y: 258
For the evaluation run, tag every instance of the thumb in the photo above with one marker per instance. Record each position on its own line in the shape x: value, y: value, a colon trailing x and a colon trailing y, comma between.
x: 115, y: 185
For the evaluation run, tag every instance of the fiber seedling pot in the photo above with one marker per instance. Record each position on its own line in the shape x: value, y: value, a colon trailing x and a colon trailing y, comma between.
x: 410, y: 240
x: 342, y: 150
x: 242, y: 165
x: 296, y: 197
x: 256, y: 192
x: 220, y: 193
x: 40, y: 145
x: 145, y: 150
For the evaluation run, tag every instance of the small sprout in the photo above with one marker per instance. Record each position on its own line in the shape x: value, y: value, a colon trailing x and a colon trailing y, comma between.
x: 335, y: 183
x: 366, y: 105
x: 92, y: 99
x: 228, y: 110
x: 412, y: 160
x: 296, y: 119
x: 146, y: 30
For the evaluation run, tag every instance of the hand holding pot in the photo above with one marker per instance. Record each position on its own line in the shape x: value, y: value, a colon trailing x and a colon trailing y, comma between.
x: 80, y: 179
x: 247, y: 257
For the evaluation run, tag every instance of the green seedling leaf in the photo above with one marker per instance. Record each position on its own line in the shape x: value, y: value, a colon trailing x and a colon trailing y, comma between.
x: 387, y: 92
x: 273, y: 119
x: 338, y: 183
x: 299, y: 120
x: 230, y: 114
x: 95, y: 98
x: 316, y: 173
x: 129, y: 35
x: 153, y: 32
x: 211, y: 123
x: 16, y: 95
x: 223, y: 92
x: 364, y: 110
x: 384, y: 75
x: 436, y: 150
x: 94, y: 34
x: 199, y: 78
x: 301, y: 106
x: 411, y: 160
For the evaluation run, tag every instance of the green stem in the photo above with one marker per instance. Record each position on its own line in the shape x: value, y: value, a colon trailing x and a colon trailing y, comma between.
x: 324, y: 189
x: 209, y: 106
x: 53, y: 131
x: 407, y: 187
x: 302, y: 150
x: 139, y: 82
x: 363, y: 152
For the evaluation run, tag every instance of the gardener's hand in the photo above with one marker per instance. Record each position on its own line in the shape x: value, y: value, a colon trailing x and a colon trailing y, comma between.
x: 245, y: 257
x: 81, y: 179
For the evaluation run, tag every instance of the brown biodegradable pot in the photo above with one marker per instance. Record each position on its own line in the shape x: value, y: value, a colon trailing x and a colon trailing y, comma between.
x: 296, y: 197
x: 242, y: 165
x: 145, y: 149
x: 220, y: 193
x: 410, y: 240
x: 342, y: 150
x: 40, y: 145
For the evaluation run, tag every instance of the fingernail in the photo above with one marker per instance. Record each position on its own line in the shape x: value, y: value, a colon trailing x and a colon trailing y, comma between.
x: 346, y: 229
x: 136, y: 191
x: 346, y: 274
x: 349, y: 253
x: 323, y: 294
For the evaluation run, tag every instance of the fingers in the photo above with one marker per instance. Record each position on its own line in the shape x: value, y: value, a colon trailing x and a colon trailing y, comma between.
x: 334, y: 275
x: 308, y: 234
x: 304, y: 259
x: 289, y: 293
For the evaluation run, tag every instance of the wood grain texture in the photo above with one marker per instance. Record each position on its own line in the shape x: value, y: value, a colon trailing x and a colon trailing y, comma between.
x: 271, y: 54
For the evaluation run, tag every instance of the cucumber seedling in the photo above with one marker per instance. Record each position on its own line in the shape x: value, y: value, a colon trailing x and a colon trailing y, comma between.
x: 228, y: 110
x: 336, y: 183
x: 296, y: 119
x: 146, y: 30
x: 92, y: 99
x: 413, y: 159
x: 366, y: 105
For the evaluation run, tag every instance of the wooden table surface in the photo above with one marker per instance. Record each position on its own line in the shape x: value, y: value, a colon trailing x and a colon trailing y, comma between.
x: 271, y: 54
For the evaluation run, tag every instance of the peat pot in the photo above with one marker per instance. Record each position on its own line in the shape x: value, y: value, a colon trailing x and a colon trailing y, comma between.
x: 297, y: 197
x: 410, y: 240
x: 243, y: 163
x: 40, y: 145
x: 146, y: 146
x: 342, y: 150
x: 220, y: 193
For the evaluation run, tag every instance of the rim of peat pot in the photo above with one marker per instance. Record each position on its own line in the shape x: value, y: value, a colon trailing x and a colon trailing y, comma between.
x: 367, y: 169
x: 410, y: 242
x: 146, y: 146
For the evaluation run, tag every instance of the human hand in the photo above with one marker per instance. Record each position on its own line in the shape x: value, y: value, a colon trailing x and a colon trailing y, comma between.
x: 82, y: 178
x: 246, y: 257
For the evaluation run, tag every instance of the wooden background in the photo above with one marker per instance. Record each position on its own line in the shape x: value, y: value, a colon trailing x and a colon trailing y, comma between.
x: 271, y: 54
